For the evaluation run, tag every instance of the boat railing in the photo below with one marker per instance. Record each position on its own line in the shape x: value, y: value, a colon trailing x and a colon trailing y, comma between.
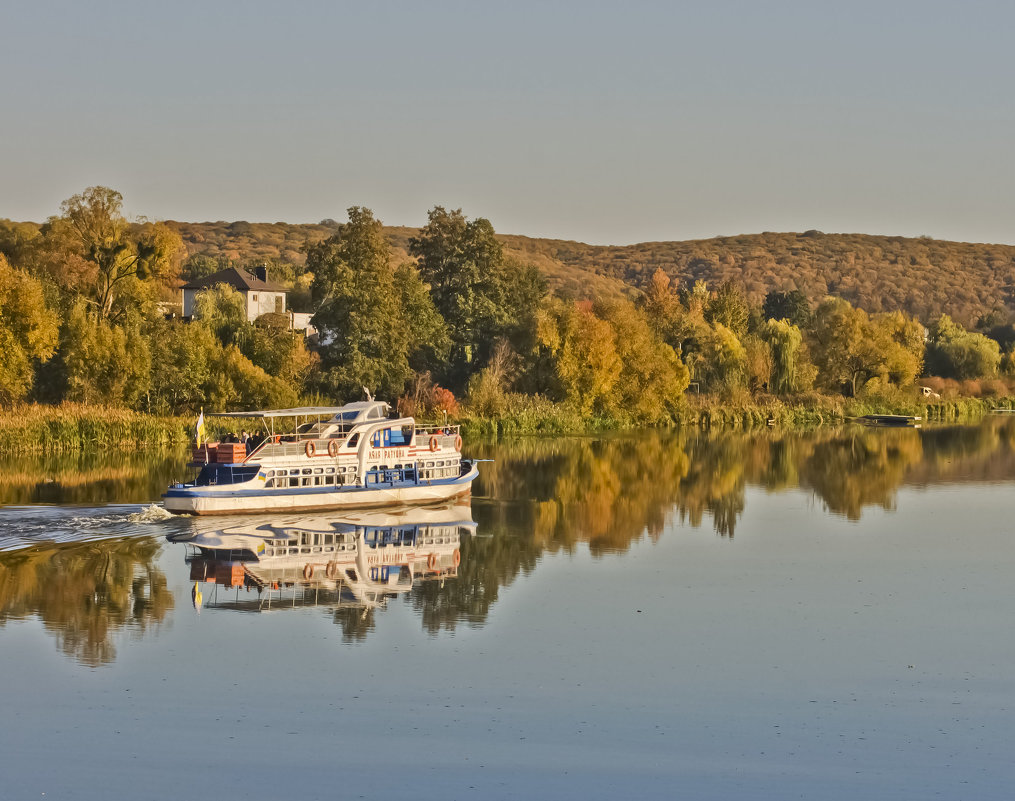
x: 447, y: 436
x: 293, y: 445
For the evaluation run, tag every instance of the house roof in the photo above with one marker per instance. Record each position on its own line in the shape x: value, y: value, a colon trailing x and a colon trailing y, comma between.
x: 236, y: 278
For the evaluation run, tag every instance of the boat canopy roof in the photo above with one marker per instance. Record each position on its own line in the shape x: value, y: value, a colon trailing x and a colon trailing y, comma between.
x: 349, y: 412
x: 298, y: 411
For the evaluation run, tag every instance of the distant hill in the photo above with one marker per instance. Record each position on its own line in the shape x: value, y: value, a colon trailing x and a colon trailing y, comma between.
x: 922, y: 276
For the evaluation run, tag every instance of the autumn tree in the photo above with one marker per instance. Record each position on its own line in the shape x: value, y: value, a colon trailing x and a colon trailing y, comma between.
x: 652, y: 377
x: 584, y: 354
x: 849, y: 347
x: 114, y: 249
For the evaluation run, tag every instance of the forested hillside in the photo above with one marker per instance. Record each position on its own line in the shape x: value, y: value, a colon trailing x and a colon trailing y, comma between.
x: 924, y: 277
x: 453, y: 311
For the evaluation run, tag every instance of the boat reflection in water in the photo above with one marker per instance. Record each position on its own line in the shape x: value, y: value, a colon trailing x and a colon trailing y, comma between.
x: 353, y: 560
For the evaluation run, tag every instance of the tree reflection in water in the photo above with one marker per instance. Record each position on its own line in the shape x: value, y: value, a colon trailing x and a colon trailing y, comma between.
x: 540, y: 496
x: 86, y: 592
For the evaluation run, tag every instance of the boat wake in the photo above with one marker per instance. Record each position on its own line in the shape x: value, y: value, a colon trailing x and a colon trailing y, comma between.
x: 28, y: 526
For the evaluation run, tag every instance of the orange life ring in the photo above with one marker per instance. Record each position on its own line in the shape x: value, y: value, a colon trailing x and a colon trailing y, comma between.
x: 331, y: 570
x: 433, y: 443
x: 457, y: 558
x: 458, y: 442
x: 333, y: 448
x: 310, y: 449
x: 431, y: 562
x: 308, y: 571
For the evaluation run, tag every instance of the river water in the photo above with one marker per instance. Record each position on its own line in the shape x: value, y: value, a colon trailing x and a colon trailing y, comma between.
x: 710, y: 616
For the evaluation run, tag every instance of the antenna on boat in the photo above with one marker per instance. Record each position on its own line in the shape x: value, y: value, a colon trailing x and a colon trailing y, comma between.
x: 369, y: 396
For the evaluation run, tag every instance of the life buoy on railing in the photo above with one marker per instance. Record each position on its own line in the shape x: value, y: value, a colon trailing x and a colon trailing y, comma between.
x: 310, y: 449
x: 458, y: 442
x: 457, y: 557
x: 434, y: 444
x: 331, y: 570
x: 333, y: 448
x: 431, y: 562
x: 308, y: 571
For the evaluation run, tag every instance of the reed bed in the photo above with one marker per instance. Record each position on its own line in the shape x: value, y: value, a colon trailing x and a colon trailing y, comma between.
x: 72, y: 427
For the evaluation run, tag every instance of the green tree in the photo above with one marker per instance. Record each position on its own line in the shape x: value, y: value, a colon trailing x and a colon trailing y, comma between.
x: 725, y: 361
x: 363, y: 331
x: 223, y: 310
x: 182, y: 356
x: 28, y: 331
x: 481, y: 295
x: 235, y: 382
x: 953, y: 352
x: 729, y: 308
x: 792, y: 306
x: 428, y: 341
x: 785, y: 340
x: 103, y: 362
x: 280, y: 352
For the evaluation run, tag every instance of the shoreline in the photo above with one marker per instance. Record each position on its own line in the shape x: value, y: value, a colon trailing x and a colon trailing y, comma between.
x: 78, y: 428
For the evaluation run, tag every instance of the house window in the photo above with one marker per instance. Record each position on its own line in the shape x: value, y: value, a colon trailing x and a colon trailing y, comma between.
x: 253, y: 298
x: 278, y: 304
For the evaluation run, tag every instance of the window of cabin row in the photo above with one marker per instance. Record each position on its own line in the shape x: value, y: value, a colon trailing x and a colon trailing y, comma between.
x: 310, y: 477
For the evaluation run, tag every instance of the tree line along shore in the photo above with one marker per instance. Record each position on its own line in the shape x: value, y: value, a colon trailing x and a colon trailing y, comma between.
x: 453, y: 323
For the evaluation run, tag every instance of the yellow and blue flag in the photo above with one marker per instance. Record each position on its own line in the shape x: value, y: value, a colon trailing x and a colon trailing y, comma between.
x: 200, y: 429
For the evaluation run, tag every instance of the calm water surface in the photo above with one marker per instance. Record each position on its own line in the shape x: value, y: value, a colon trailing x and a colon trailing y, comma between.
x: 823, y: 615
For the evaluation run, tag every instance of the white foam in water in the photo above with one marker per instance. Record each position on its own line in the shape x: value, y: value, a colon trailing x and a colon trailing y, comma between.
x: 22, y: 527
x: 151, y: 514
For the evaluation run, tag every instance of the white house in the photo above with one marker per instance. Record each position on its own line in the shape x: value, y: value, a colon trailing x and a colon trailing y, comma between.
x: 260, y: 295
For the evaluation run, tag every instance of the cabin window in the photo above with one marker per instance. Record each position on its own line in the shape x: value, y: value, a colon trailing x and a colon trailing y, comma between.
x: 318, y: 470
x: 400, y: 436
x: 329, y: 470
x: 353, y: 440
x: 294, y: 472
x: 306, y: 471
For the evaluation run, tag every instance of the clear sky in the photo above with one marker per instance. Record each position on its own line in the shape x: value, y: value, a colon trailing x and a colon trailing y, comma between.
x: 602, y: 122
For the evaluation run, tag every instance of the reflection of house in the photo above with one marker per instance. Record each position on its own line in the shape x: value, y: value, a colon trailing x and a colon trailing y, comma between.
x: 260, y: 296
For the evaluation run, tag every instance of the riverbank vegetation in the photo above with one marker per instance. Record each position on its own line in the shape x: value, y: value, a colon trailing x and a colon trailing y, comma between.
x: 449, y: 322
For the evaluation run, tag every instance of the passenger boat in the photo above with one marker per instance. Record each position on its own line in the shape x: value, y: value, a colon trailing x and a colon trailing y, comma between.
x: 357, y: 559
x: 349, y: 456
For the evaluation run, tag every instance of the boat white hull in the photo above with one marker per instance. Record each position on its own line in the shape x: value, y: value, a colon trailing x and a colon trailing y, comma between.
x: 235, y: 500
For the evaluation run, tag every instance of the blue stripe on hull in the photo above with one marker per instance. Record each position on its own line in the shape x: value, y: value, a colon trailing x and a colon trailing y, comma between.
x: 193, y: 492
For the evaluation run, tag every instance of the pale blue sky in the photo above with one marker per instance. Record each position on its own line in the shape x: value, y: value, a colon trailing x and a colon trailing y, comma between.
x: 603, y: 122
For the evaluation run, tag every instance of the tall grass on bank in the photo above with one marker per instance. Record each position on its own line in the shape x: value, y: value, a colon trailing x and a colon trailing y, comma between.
x: 76, y: 427
x: 538, y: 416
x: 70, y: 428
